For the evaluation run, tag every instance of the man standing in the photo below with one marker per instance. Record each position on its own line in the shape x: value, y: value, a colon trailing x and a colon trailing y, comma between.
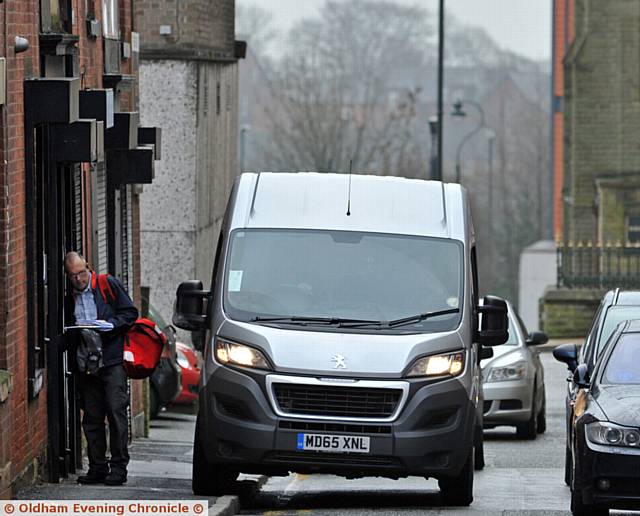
x: 105, y: 393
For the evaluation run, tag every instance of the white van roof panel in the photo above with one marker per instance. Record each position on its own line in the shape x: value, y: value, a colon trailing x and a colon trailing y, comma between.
x: 381, y: 204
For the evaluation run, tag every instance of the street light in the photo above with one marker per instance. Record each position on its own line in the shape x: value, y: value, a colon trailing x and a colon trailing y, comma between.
x: 459, y: 112
x: 433, y: 159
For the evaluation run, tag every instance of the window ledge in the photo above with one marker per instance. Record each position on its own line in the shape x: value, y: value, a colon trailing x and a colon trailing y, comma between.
x: 6, y: 385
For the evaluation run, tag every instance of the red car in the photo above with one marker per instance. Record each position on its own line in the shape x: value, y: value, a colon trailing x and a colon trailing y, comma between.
x: 189, y: 362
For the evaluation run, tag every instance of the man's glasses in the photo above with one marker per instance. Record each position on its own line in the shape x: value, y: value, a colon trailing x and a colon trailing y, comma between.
x: 78, y: 274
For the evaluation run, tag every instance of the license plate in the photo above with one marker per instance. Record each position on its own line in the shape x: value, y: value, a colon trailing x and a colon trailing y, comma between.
x: 333, y: 443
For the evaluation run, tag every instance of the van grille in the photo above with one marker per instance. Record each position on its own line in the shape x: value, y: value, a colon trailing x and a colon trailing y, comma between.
x: 354, y: 402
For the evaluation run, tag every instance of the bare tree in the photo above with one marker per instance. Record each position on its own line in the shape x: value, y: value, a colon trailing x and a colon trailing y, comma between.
x: 348, y: 86
x: 255, y: 25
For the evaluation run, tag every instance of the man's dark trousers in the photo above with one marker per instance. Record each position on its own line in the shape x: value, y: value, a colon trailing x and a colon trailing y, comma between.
x: 105, y: 394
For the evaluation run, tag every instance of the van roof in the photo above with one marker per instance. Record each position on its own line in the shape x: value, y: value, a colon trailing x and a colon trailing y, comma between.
x: 382, y: 204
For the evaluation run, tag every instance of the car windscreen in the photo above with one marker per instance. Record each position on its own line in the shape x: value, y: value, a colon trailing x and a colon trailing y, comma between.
x: 343, y: 274
x: 614, y: 316
x: 623, y: 366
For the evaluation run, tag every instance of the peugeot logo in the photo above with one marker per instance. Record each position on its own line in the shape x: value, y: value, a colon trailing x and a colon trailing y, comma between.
x: 339, y: 362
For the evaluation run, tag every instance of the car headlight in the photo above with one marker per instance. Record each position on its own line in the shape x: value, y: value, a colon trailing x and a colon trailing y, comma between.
x: 449, y: 364
x: 515, y: 371
x: 232, y: 353
x: 612, y: 435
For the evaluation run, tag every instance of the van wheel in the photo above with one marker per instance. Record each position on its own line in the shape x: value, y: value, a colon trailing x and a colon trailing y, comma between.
x: 458, y: 491
x: 478, y: 445
x: 529, y: 429
x: 209, y: 479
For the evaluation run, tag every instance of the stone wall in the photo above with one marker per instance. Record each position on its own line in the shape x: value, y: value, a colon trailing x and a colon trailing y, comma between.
x: 568, y: 313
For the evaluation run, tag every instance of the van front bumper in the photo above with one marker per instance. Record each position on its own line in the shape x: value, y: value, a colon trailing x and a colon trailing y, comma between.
x: 431, y: 436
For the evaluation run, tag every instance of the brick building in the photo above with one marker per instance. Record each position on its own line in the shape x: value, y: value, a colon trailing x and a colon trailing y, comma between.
x: 72, y: 159
x: 189, y: 84
x: 599, y: 171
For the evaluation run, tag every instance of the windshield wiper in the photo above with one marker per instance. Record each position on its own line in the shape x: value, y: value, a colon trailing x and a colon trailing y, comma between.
x: 339, y: 321
x: 421, y: 317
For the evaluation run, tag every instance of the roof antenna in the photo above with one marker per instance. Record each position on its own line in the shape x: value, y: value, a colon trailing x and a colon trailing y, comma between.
x: 349, y: 201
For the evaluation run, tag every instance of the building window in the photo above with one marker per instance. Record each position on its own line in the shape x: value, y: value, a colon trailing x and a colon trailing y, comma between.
x: 110, y: 19
x: 55, y: 16
x: 633, y: 229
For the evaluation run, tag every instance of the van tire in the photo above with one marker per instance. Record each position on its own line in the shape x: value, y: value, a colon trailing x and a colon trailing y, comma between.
x: 209, y: 479
x: 478, y: 462
x: 458, y: 491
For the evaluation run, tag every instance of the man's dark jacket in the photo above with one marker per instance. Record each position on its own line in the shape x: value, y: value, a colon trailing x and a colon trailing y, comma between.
x: 120, y: 312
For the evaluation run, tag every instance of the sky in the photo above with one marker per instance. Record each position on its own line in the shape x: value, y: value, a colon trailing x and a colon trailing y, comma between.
x: 522, y: 26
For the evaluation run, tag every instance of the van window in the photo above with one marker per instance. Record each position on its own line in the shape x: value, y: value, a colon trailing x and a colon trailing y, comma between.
x: 614, y: 316
x: 311, y: 273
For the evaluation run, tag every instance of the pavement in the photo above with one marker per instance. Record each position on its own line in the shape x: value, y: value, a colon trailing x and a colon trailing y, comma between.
x: 159, y: 469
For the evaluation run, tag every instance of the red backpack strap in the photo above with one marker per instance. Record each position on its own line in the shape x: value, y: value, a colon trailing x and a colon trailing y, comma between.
x: 105, y: 288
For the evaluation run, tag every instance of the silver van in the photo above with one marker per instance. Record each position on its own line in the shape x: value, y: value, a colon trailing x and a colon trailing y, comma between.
x: 341, y: 333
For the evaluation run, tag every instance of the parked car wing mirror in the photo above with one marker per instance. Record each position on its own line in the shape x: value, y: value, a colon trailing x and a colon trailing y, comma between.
x: 188, y: 312
x: 494, y: 327
x: 581, y: 376
x: 536, y: 338
x: 567, y: 354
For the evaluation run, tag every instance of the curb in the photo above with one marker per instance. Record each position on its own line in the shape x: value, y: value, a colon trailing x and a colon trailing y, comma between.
x: 225, y: 506
x: 229, y: 505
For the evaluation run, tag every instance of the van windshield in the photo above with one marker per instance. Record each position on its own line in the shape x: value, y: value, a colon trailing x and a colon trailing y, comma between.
x: 281, y: 273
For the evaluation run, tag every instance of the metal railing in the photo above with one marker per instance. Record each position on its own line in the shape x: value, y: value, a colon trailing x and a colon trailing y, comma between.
x: 586, y: 265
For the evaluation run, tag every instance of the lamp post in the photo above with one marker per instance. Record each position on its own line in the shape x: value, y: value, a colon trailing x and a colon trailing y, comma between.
x: 440, y: 84
x: 244, y: 129
x: 459, y: 112
x: 433, y: 158
x: 491, y: 136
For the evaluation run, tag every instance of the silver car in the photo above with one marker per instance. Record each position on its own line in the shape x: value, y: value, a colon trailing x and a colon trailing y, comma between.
x: 513, y: 379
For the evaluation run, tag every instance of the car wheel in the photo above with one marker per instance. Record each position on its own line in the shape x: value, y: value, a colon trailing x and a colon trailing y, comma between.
x: 458, y: 491
x: 529, y: 429
x: 579, y: 508
x: 568, y: 469
x: 154, y: 403
x: 478, y: 446
x: 208, y: 479
x: 542, y: 416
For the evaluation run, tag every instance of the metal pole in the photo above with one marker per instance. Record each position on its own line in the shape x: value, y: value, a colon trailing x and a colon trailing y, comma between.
x: 440, y: 83
x: 433, y: 158
x: 470, y: 135
x: 490, y: 196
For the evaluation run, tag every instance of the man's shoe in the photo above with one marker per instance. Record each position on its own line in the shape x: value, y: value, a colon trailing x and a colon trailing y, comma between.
x: 92, y: 478
x: 115, y: 479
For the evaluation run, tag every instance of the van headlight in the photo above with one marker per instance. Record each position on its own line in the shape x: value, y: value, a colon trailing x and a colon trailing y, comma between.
x: 612, y: 435
x: 449, y: 364
x: 510, y: 372
x: 232, y: 353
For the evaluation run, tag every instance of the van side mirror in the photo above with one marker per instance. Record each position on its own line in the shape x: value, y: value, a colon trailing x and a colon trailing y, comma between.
x: 567, y: 354
x: 485, y: 353
x: 494, y: 328
x: 581, y: 376
x: 536, y: 338
x: 188, y: 312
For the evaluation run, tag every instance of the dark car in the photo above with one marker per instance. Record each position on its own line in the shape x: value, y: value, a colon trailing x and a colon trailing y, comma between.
x: 616, y: 306
x: 165, y: 383
x: 605, y: 443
